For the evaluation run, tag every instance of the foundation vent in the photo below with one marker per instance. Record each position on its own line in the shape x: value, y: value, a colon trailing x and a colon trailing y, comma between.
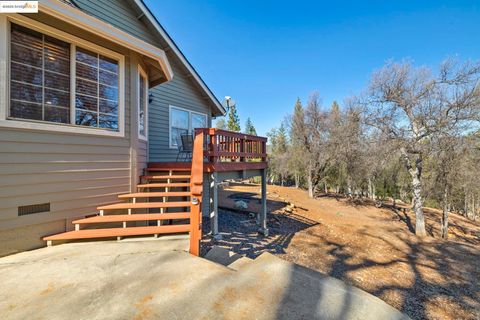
x: 33, y: 208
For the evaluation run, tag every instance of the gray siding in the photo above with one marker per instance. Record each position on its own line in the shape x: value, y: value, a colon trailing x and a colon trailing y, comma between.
x: 179, y: 92
x: 118, y: 13
x: 142, y: 156
x: 75, y: 173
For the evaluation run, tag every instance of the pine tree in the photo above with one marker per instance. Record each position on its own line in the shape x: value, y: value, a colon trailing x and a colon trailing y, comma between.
x: 297, y: 126
x: 233, y: 123
x: 249, y: 128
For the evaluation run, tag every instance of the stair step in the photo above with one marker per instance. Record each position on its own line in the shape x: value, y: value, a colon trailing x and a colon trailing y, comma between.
x: 163, y: 185
x: 145, y: 205
x: 169, y: 169
x: 118, y: 232
x: 166, y: 177
x: 134, y: 217
x: 154, y: 195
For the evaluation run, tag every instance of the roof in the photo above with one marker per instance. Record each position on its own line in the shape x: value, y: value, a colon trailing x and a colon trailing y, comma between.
x: 178, y: 53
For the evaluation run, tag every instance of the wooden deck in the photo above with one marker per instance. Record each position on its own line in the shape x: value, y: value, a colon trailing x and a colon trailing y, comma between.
x: 224, y: 151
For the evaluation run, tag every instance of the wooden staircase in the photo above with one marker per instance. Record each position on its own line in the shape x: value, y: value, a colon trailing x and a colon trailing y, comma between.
x: 161, y: 206
x: 169, y: 198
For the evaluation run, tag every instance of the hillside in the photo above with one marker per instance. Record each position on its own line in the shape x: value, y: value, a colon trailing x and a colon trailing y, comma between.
x: 373, y: 249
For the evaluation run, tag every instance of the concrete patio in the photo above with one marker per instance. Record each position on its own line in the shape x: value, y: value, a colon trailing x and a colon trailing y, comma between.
x: 158, y: 279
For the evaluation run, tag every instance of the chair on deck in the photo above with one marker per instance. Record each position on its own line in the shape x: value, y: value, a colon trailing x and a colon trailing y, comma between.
x: 185, y: 147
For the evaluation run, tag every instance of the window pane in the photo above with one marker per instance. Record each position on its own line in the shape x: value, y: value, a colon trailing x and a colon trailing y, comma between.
x: 87, y: 72
x: 56, y: 81
x: 84, y: 102
x: 26, y: 36
x: 97, y: 97
x: 86, y: 87
x: 25, y: 110
x: 57, y: 48
x: 108, y: 78
x: 26, y: 55
x: 109, y: 93
x: 57, y: 98
x: 26, y: 92
x: 40, y: 82
x: 142, y: 106
x: 199, y: 121
x: 108, y: 64
x: 26, y: 74
x: 179, y: 119
x: 107, y: 106
x: 108, y: 121
x: 85, y: 118
x: 88, y: 57
x: 176, y: 133
x: 56, y: 114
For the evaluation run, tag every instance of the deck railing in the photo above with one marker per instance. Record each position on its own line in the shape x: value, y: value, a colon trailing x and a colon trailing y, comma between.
x: 224, y: 150
x: 227, y: 146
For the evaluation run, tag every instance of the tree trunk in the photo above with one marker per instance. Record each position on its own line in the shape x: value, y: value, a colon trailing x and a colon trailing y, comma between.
x: 418, y: 204
x: 326, y: 188
x: 349, y: 187
x: 415, y: 171
x: 297, y: 180
x: 310, y: 183
x: 445, y: 214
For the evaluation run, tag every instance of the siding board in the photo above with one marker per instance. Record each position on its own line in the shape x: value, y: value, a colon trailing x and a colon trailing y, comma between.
x: 74, y: 172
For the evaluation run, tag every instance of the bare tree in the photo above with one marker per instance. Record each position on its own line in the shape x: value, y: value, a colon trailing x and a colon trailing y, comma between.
x: 314, y: 135
x: 411, y: 106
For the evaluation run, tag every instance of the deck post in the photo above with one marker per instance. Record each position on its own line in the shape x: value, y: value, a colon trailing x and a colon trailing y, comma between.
x: 263, y: 213
x: 214, y: 213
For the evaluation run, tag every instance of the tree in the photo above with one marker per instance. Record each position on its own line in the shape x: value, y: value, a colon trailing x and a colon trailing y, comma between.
x: 249, y: 128
x: 278, y: 159
x: 314, y: 136
x: 221, y: 124
x: 296, y: 156
x: 411, y: 107
x: 233, y: 123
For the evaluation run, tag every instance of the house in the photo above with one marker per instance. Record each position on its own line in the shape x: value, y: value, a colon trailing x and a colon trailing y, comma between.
x: 93, y: 95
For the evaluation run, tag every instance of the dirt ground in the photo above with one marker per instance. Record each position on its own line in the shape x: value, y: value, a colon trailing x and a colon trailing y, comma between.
x: 373, y: 249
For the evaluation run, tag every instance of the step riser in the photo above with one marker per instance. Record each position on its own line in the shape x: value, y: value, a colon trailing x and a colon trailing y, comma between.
x: 118, y: 232
x: 133, y: 218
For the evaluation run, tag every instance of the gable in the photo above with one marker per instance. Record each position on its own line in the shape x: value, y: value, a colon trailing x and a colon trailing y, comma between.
x: 135, y: 18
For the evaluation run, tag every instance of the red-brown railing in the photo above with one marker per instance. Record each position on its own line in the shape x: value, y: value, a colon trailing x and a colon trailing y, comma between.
x: 225, y: 150
x: 228, y: 146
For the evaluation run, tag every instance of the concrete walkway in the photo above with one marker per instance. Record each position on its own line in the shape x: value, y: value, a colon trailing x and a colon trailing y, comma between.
x: 159, y: 280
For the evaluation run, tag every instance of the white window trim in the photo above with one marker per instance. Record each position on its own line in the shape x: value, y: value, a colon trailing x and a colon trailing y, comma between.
x: 26, y: 124
x: 190, y: 129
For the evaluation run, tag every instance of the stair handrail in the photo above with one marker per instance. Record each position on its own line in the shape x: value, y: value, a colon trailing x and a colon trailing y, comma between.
x: 196, y: 190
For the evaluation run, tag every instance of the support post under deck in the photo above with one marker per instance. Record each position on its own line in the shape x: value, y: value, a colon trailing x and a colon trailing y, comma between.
x: 214, y: 210
x: 263, y: 213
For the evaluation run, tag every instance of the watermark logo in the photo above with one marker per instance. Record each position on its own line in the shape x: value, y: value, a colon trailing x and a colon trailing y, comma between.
x: 18, y: 6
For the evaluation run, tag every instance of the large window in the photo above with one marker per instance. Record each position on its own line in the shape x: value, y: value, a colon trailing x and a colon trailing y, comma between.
x: 40, y: 76
x: 57, y: 81
x: 183, y: 121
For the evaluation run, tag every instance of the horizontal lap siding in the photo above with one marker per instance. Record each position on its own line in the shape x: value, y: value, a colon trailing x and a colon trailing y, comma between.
x: 142, y: 156
x: 75, y: 173
x: 179, y: 92
x: 68, y: 171
x: 119, y: 14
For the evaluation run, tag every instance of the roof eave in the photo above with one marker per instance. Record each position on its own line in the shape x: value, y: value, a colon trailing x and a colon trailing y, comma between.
x: 153, y: 20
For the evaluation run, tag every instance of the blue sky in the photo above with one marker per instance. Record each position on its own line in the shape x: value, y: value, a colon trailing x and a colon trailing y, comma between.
x: 265, y: 54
